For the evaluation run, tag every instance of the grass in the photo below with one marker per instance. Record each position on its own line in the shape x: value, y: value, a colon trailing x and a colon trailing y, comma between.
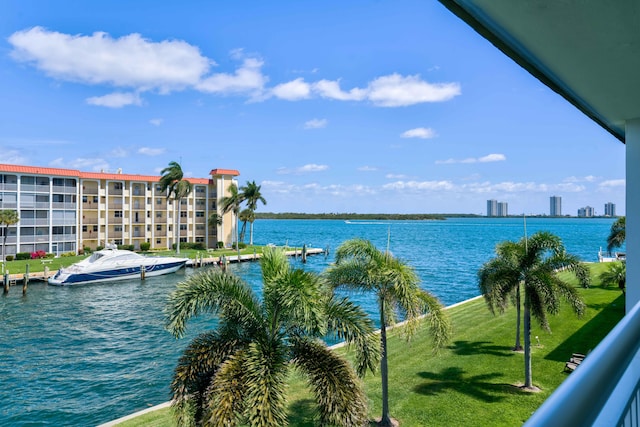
x: 474, y: 381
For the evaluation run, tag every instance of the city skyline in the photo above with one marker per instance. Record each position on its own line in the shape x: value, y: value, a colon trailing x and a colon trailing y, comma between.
x: 423, y: 117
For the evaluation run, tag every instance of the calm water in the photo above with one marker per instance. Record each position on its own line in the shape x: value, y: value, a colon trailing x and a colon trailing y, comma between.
x: 85, y: 355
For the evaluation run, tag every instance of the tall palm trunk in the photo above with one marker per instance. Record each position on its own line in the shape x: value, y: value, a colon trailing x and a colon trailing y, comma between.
x: 251, y: 233
x: 385, y: 421
x: 4, y: 260
x: 528, y: 381
x: 518, y: 346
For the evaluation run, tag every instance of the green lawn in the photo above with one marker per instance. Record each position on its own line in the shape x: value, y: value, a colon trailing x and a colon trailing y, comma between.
x: 474, y: 381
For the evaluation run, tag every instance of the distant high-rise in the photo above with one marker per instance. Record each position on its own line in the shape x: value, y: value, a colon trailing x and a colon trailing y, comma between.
x: 492, y: 207
x: 556, y: 206
x: 586, y: 212
x: 503, y: 209
x: 610, y: 209
x: 496, y: 208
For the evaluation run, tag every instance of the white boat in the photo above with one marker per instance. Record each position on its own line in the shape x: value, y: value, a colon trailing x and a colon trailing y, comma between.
x: 115, y: 264
x: 611, y: 257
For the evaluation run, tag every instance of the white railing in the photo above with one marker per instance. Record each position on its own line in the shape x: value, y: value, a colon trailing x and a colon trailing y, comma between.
x: 604, y: 388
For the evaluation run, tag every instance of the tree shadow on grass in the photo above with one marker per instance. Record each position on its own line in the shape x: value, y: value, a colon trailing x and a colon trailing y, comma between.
x: 591, y: 333
x: 303, y: 413
x: 479, y: 387
x: 468, y: 348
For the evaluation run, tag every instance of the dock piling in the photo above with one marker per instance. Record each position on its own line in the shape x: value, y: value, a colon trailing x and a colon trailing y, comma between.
x: 25, y: 280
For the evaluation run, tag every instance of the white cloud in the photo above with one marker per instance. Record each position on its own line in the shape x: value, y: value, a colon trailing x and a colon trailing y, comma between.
x: 292, y: 91
x: 246, y: 79
x: 12, y: 157
x: 588, y: 178
x: 316, y: 123
x: 395, y: 176
x: 118, y: 152
x: 128, y: 61
x: 420, y: 185
x: 115, y: 100
x: 147, y: 151
x: 398, y: 91
x: 423, y: 133
x: 311, y: 167
x: 613, y: 183
x: 95, y: 164
x: 156, y: 122
x: 485, y: 159
x: 367, y: 169
x: 492, y: 158
x: 142, y: 65
x: 331, y: 89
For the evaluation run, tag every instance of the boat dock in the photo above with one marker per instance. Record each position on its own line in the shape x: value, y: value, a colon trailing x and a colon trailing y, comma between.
x: 201, y: 260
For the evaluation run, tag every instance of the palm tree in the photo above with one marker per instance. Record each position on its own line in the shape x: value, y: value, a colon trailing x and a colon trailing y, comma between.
x: 618, y: 234
x: 179, y: 188
x: 616, y: 274
x: 361, y: 266
x: 251, y: 194
x: 237, y: 373
x: 531, y: 266
x: 246, y: 215
x: 7, y: 218
x: 231, y: 203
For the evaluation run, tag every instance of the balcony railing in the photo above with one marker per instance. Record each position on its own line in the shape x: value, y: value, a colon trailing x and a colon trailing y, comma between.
x: 604, y: 389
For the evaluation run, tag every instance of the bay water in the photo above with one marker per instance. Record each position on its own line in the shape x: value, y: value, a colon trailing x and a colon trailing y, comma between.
x: 84, y: 355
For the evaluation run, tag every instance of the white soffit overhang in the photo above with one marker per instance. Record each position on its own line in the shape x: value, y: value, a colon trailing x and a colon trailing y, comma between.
x: 586, y: 50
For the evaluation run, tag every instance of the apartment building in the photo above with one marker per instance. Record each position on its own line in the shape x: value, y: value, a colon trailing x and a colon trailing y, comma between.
x: 64, y: 210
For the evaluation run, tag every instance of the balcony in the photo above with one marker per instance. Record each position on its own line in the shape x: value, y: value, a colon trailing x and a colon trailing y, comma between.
x: 34, y: 221
x: 87, y: 221
x: 8, y: 187
x: 63, y: 237
x: 64, y: 190
x: 605, y: 389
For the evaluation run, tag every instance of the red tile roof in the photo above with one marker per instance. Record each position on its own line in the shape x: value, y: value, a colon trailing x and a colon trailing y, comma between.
x: 42, y: 170
x: 224, y: 172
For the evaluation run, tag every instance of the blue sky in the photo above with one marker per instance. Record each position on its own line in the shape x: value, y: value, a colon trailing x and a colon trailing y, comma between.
x: 360, y: 106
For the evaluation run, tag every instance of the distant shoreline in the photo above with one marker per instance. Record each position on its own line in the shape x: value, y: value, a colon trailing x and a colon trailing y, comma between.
x: 383, y: 217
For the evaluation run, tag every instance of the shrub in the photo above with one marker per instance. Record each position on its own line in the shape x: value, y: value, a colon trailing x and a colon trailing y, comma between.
x: 9, y: 257
x: 126, y: 247
x: 38, y: 254
x: 50, y: 255
x: 68, y: 254
x: 145, y: 246
x: 23, y: 256
x: 242, y: 245
x: 220, y: 244
x: 99, y: 248
x: 87, y: 250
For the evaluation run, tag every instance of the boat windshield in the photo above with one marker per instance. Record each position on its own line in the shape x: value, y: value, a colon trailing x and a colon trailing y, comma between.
x: 95, y: 256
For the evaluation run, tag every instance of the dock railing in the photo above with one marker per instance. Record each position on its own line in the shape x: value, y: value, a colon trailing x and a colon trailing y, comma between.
x: 604, y: 389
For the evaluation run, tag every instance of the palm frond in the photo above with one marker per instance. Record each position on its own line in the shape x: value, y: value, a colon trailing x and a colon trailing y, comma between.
x: 265, y: 370
x: 337, y: 390
x: 226, y: 394
x: 350, y: 323
x: 211, y: 291
x: 194, y: 371
x: 439, y: 323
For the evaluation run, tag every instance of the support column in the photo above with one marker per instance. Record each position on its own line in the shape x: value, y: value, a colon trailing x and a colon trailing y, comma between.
x: 633, y: 212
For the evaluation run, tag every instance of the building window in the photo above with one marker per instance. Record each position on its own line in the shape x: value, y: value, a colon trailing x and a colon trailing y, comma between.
x: 95, y: 228
x: 158, y: 227
x: 117, y: 214
x: 117, y: 228
x: 117, y: 186
x: 183, y: 226
x: 199, y: 239
x: 183, y: 214
x: 158, y: 241
x: 158, y: 201
x: 84, y: 228
x: 85, y: 199
x: 199, y: 214
x: 158, y: 214
x: 95, y: 199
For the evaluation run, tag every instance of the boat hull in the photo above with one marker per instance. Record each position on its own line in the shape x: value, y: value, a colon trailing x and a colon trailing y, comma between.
x: 124, y: 273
